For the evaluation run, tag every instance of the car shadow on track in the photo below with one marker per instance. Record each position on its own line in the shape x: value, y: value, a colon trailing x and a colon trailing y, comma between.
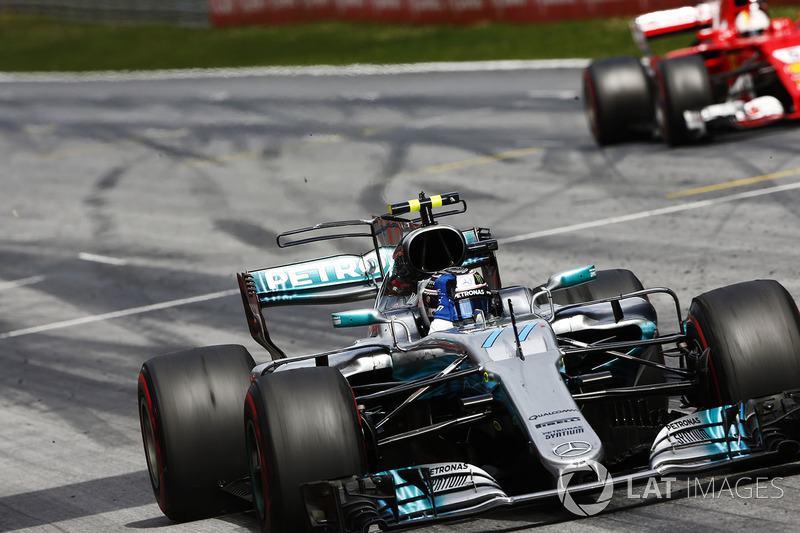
x: 246, y: 521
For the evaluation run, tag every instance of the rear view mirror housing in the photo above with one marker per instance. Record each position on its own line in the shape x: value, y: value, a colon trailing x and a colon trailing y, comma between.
x: 570, y: 278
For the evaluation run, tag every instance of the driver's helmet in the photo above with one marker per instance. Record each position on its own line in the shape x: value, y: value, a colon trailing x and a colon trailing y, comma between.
x: 752, y: 18
x: 457, y: 295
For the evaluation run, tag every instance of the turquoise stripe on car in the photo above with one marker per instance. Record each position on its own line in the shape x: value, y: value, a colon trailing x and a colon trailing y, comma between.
x: 491, y: 338
x: 526, y: 331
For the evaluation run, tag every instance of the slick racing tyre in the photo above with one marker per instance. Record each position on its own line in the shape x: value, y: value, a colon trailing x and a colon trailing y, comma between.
x: 752, y: 331
x: 617, y: 99
x: 684, y: 86
x: 607, y: 283
x: 190, y: 411
x: 301, y: 425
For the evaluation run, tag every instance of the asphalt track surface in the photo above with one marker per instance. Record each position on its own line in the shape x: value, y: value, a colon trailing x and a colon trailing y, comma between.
x: 128, y: 204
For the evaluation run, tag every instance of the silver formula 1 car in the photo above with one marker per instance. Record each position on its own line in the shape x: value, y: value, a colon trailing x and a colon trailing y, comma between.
x: 416, y: 423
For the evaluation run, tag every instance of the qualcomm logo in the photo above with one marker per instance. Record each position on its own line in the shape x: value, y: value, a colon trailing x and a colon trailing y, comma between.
x: 565, y: 476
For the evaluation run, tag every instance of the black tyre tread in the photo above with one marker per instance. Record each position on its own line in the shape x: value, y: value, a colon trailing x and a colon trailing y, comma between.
x: 310, y: 430
x: 617, y: 99
x: 753, y: 330
x: 685, y: 86
x: 197, y: 397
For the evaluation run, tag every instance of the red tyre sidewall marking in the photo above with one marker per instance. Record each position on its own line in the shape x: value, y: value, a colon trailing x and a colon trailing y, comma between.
x: 595, y: 111
x: 267, y: 500
x: 157, y: 437
x: 664, y: 109
x: 358, y: 417
x: 691, y: 320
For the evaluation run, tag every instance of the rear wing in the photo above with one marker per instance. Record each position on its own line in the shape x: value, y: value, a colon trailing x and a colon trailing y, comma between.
x: 334, y: 279
x: 671, y: 22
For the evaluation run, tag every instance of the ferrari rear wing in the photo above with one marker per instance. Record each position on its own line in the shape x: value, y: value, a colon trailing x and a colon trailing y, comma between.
x: 671, y: 22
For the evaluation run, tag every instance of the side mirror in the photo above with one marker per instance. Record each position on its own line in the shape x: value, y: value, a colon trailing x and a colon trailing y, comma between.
x: 570, y: 278
x: 562, y: 280
x: 358, y: 317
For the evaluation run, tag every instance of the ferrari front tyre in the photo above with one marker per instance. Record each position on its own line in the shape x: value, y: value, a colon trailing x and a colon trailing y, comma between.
x: 752, y: 333
x: 684, y: 86
x: 190, y: 412
x: 301, y: 425
x: 617, y: 99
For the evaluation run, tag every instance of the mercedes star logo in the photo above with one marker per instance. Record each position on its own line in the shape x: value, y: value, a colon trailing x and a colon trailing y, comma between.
x: 572, y: 449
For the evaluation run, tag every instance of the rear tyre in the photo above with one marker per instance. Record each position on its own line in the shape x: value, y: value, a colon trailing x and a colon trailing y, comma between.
x: 617, y: 99
x: 301, y: 425
x: 753, y: 332
x: 685, y: 86
x: 190, y: 412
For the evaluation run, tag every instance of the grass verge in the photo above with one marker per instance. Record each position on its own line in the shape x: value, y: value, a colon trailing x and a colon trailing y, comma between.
x: 41, y: 44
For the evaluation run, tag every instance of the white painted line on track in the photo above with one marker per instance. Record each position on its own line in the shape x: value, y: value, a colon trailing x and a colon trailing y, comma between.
x: 647, y: 214
x: 507, y: 240
x: 317, y: 70
x: 5, y: 285
x: 553, y: 94
x: 94, y: 258
x: 117, y: 314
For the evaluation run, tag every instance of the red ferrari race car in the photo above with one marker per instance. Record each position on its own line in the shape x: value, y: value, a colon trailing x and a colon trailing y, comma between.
x: 743, y: 71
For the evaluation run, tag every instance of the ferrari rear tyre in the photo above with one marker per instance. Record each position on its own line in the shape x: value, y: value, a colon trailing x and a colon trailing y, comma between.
x: 301, y: 425
x: 617, y: 99
x: 752, y: 331
x: 606, y: 284
x: 190, y: 412
x: 685, y: 86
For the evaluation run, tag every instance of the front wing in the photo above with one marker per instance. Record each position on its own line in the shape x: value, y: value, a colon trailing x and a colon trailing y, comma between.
x: 763, y: 431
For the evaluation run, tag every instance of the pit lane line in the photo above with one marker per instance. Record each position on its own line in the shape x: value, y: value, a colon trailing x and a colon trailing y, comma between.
x: 117, y: 314
x: 316, y: 70
x: 435, y: 169
x: 647, y: 214
x: 506, y: 240
x: 735, y: 183
x: 100, y: 146
x: 5, y: 285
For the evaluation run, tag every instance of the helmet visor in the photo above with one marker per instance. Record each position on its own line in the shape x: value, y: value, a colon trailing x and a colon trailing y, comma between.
x: 468, y: 307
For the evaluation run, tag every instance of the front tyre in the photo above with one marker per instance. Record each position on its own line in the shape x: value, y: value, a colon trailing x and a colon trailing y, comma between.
x: 301, y: 425
x: 685, y: 86
x: 190, y: 412
x: 752, y: 331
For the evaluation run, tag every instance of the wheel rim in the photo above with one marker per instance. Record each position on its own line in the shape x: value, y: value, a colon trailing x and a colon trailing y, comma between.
x: 701, y: 343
